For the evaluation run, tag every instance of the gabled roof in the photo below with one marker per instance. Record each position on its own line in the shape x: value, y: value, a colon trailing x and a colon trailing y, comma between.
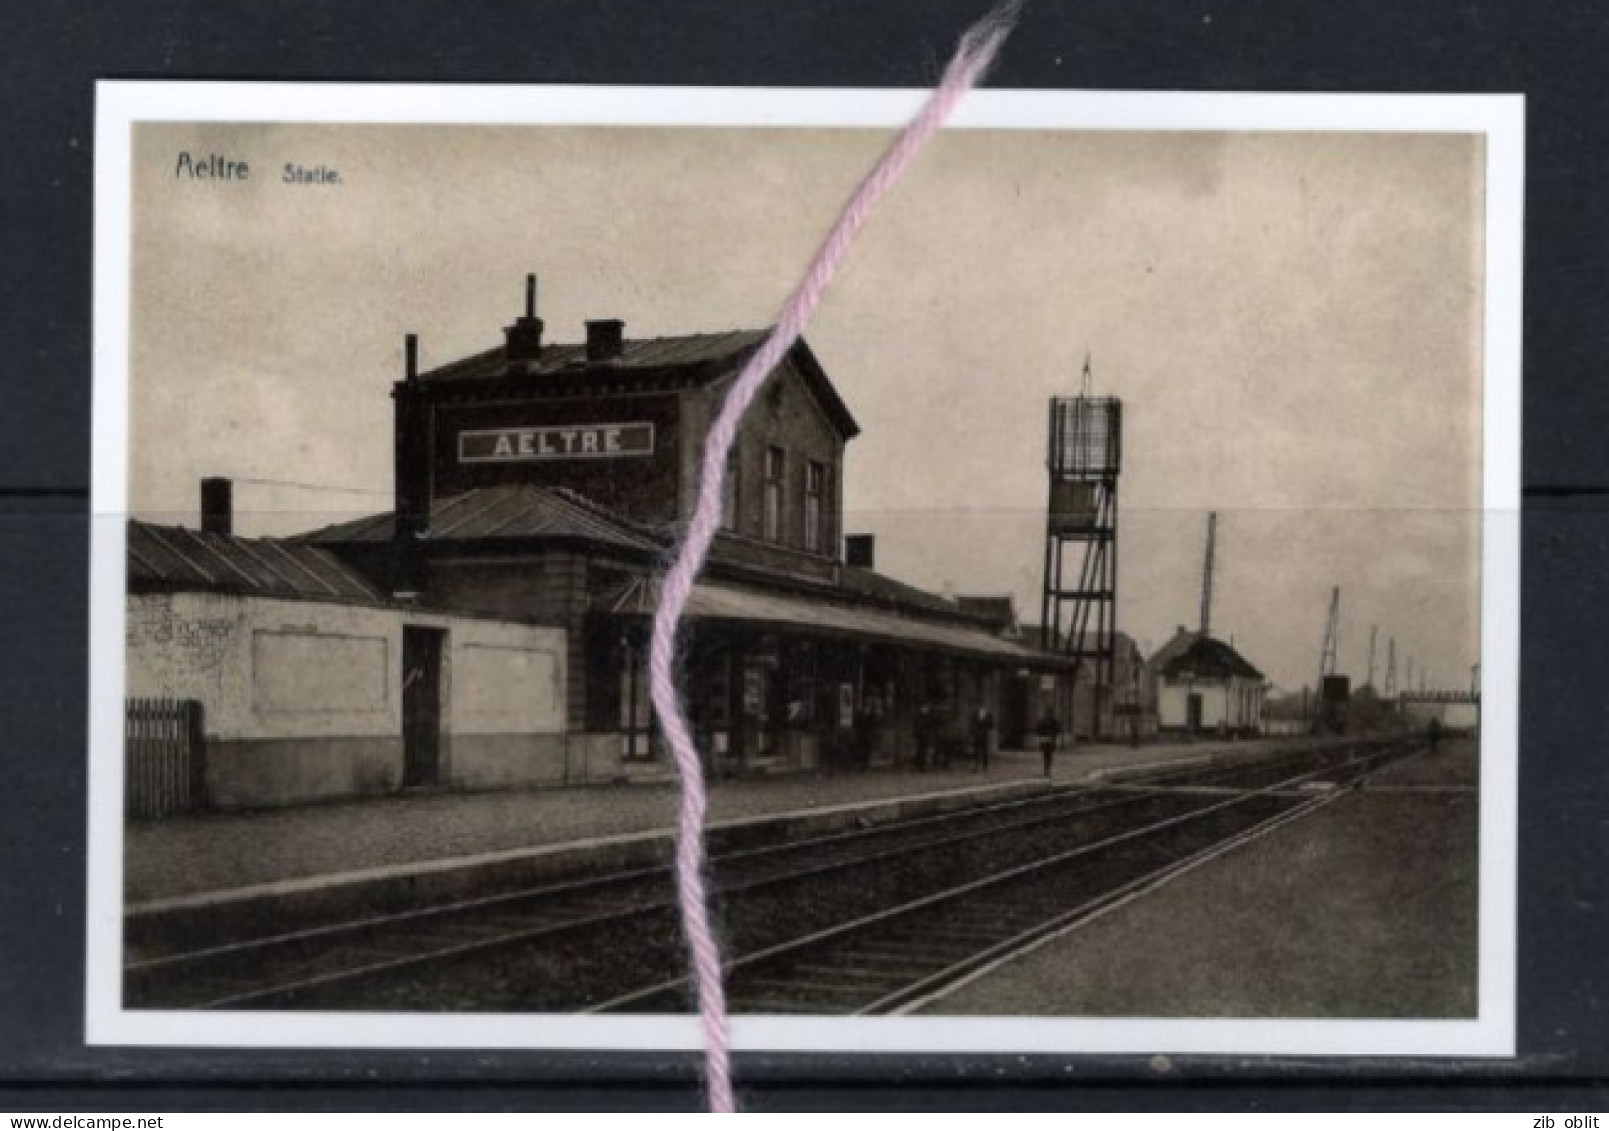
x: 168, y: 558
x: 517, y: 510
x: 1204, y: 657
x: 702, y: 358
x: 1182, y: 639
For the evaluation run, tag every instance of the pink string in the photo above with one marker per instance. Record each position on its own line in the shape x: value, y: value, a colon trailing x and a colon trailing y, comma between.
x: 972, y: 58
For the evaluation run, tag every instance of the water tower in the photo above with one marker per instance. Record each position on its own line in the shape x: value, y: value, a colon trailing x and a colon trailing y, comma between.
x: 1085, y: 455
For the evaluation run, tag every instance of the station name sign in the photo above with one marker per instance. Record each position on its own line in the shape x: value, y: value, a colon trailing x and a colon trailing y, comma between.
x: 567, y: 441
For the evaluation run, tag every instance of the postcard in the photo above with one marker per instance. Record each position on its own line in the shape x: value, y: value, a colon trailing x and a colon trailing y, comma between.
x: 1110, y: 644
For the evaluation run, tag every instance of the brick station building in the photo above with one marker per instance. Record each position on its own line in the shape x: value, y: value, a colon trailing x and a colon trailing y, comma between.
x: 546, y: 485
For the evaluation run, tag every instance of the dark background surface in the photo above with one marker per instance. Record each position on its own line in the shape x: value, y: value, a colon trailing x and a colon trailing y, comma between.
x: 1554, y: 53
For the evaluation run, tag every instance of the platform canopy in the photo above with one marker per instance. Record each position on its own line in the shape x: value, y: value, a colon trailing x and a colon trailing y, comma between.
x: 711, y: 601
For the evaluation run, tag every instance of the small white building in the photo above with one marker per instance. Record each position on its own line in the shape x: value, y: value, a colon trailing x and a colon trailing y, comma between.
x: 307, y: 683
x: 1204, y: 686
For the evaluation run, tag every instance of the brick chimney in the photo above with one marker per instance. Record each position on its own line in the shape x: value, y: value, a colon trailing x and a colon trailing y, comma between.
x: 860, y: 550
x: 217, y: 506
x: 606, y: 339
x: 411, y: 486
x: 525, y: 336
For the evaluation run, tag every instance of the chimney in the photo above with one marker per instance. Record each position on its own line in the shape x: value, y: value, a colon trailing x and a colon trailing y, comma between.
x: 860, y: 550
x: 217, y: 506
x: 525, y: 336
x: 411, y: 472
x: 606, y: 339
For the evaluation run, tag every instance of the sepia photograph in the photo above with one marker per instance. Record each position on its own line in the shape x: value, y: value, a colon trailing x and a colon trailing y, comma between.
x: 1097, y: 649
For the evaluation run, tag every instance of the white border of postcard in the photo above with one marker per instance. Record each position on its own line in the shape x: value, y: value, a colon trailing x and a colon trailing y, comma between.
x: 1500, y: 118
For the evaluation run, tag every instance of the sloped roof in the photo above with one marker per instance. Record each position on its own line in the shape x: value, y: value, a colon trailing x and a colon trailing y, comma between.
x: 704, y: 357
x: 1207, y: 658
x: 999, y: 610
x: 719, y: 602
x: 880, y: 587
x: 525, y: 510
x: 174, y: 557
x: 1174, y: 648
x: 517, y: 510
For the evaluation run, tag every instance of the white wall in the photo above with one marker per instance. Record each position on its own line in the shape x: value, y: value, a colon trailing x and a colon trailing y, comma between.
x: 506, y: 678
x: 267, y: 668
x: 1237, y: 705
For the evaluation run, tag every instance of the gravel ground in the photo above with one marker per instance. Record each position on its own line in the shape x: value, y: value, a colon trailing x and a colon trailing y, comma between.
x: 1365, y: 909
x: 184, y: 855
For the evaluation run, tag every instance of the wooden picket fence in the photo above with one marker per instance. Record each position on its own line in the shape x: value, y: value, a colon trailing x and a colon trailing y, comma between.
x: 165, y: 757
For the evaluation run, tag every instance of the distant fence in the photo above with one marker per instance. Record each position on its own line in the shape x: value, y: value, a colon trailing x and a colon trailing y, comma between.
x: 165, y: 757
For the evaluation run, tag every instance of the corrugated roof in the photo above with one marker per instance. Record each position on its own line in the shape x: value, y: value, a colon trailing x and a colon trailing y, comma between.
x: 517, y: 510
x: 174, y: 557
x: 710, y: 601
x: 635, y: 353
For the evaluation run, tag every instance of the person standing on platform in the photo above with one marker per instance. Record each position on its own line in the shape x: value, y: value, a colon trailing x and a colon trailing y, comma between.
x: 867, y: 725
x: 924, y: 725
x: 1049, y: 731
x: 1433, y: 733
x: 982, y: 732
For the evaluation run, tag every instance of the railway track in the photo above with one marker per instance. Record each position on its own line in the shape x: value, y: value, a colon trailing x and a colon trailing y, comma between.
x: 901, y: 958
x: 576, y: 944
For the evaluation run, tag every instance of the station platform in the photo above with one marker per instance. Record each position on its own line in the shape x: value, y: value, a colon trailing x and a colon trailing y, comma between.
x: 409, y: 838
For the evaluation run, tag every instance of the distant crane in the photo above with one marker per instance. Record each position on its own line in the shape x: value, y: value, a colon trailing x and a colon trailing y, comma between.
x: 1391, y: 668
x: 1332, y: 637
x: 1206, y: 574
x: 1334, y: 694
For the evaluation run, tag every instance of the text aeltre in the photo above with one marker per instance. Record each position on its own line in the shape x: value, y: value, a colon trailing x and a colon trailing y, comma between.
x: 211, y: 167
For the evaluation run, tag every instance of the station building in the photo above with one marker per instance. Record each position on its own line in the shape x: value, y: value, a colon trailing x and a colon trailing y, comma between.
x: 540, y: 492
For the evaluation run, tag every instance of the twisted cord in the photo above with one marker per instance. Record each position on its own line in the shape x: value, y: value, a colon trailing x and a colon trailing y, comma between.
x: 975, y: 52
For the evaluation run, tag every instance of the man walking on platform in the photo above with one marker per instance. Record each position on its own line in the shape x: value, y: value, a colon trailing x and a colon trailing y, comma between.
x: 1049, y: 732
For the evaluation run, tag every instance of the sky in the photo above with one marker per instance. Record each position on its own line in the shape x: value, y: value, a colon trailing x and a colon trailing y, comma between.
x: 1292, y: 322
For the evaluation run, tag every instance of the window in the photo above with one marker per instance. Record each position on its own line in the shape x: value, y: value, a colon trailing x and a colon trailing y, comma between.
x: 815, y: 533
x: 774, y: 468
x: 729, y: 491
